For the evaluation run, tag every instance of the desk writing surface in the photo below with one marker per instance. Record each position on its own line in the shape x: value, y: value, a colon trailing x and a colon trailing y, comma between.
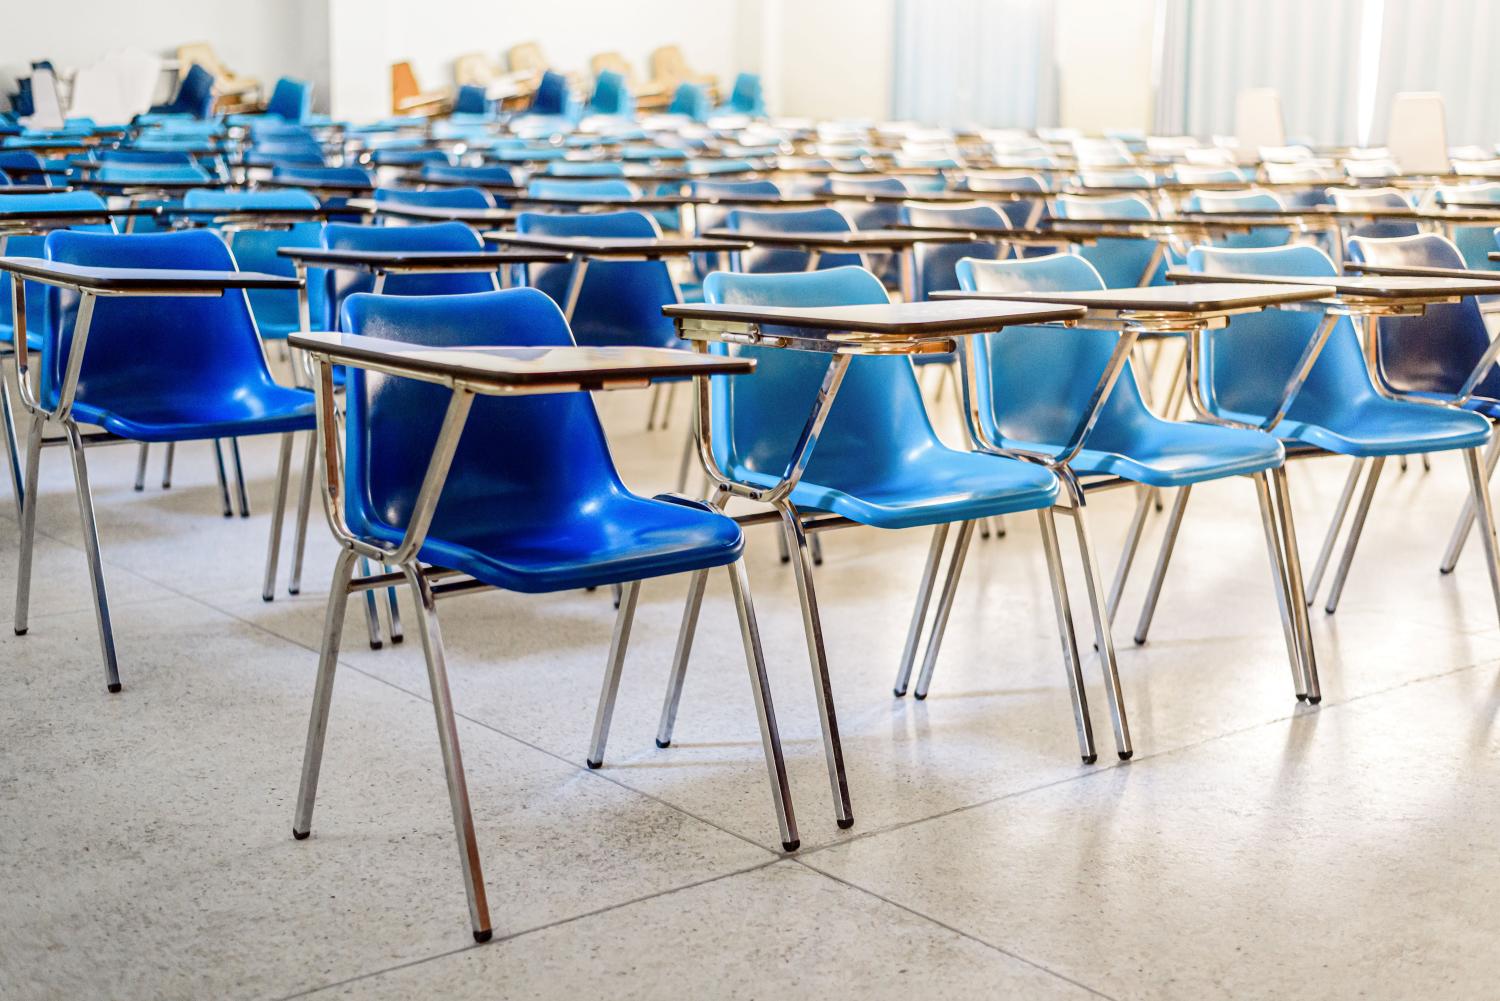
x: 39, y: 214
x: 433, y: 213
x: 522, y: 366
x: 159, y: 280
x: 1367, y: 286
x: 1207, y: 297
x: 910, y: 319
x: 613, y: 246
x: 456, y: 259
x: 1423, y: 271
x: 855, y: 239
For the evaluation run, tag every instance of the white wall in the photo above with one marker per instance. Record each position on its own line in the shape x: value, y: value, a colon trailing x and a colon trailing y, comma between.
x: 263, y: 38
x: 835, y: 58
x: 1104, y: 55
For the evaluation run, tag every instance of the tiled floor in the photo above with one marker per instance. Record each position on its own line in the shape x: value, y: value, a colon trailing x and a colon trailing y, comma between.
x: 1254, y: 848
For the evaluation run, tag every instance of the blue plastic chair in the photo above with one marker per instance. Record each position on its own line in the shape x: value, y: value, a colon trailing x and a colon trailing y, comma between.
x: 25, y: 167
x: 611, y: 95
x: 692, y: 101
x: 471, y: 100
x: 554, y: 98
x: 157, y: 370
x: 709, y: 217
x: 1474, y: 242
x: 291, y: 100
x: 584, y: 168
x: 935, y: 263
x: 195, y: 95
x: 1357, y: 199
x: 546, y: 513
x: 1339, y: 409
x: 1034, y: 387
x: 1243, y: 201
x: 762, y: 260
x: 483, y: 175
x: 430, y: 236
x: 604, y: 188
x: 40, y: 312
x: 1122, y: 263
x: 324, y: 175
x: 877, y: 460
x: 747, y: 97
x: 442, y: 198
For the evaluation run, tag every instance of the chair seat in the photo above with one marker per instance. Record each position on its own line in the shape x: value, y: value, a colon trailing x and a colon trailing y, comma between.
x: 622, y: 537
x: 1378, y: 426
x: 150, y: 417
x: 1477, y: 404
x: 1174, y: 454
x: 934, y: 486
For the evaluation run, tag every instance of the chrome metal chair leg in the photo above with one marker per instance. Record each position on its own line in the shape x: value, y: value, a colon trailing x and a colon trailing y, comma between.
x: 919, y: 613
x: 1466, y: 516
x: 984, y: 528
x: 812, y: 625
x: 1339, y: 513
x: 697, y: 582
x: 666, y: 406
x: 317, y: 725
x: 1356, y: 527
x: 1092, y: 580
x: 239, y: 478
x: 786, y: 554
x: 223, y: 478
x: 944, y: 608
x: 28, y: 524
x: 140, y: 467
x: 1275, y: 549
x: 453, y: 766
x: 685, y: 464
x: 613, y: 668
x: 91, y: 551
x: 304, y: 504
x: 816, y: 544
x: 1300, y: 617
x: 651, y: 407
x: 372, y: 609
x: 166, y: 465
x: 999, y: 520
x: 278, y: 513
x: 1068, y: 636
x: 1402, y: 458
x: 393, y: 607
x: 12, y: 447
x: 1426, y: 462
x: 1127, y: 553
x: 1163, y: 559
x: 765, y: 711
x: 1480, y: 486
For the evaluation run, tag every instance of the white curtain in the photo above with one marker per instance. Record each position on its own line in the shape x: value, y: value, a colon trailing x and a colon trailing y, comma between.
x: 1446, y: 46
x: 1306, y: 49
x: 975, y: 62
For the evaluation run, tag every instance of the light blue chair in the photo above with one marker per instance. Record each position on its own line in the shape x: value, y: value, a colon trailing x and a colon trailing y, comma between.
x: 1122, y: 263
x: 773, y: 259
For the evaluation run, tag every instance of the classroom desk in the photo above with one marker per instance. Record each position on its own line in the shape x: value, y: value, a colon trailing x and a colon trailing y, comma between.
x: 1190, y: 309
x: 30, y: 189
x: 585, y: 249
x: 245, y: 217
x: 31, y: 221
x: 898, y: 241
x: 323, y: 189
x: 477, y: 217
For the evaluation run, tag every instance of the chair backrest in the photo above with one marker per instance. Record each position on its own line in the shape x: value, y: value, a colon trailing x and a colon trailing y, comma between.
x: 203, y: 346
x: 551, y: 97
x: 1436, y: 350
x: 936, y: 262
x: 438, y: 198
x: 1247, y: 364
x: 1250, y: 200
x: 276, y: 309
x: 488, y: 174
x: 428, y: 236
x: 620, y: 301
x: 691, y: 100
x: 324, y: 175
x: 611, y: 95
x: 1121, y: 263
x: 1357, y: 199
x: 1474, y: 242
x: 522, y: 461
x: 209, y: 200
x: 878, y: 422
x: 41, y: 301
x: 195, y: 94
x: 747, y: 97
x: 472, y: 100
x: 585, y: 168
x: 146, y: 156
x: 1034, y: 383
x: 603, y: 188
x: 818, y: 220
x: 290, y: 99
x: 147, y: 174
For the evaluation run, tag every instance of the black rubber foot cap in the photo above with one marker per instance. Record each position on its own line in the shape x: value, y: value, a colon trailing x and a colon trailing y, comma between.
x: 300, y: 835
x: 20, y: 632
x: 483, y: 936
x: 1138, y: 641
x: 1442, y: 571
x: 1301, y: 697
x: 919, y: 696
x: 790, y: 846
x: 140, y: 489
x: 846, y: 823
x: 786, y: 559
x: 1126, y: 755
x: 594, y: 764
x: 898, y: 692
x: 376, y: 645
x: 1313, y: 700
x: 1090, y: 759
x: 397, y: 639
x: 114, y: 689
x: 663, y: 743
x: 294, y: 590
x: 268, y: 597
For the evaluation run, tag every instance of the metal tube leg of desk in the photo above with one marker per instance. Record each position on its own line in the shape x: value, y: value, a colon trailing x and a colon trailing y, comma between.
x: 223, y: 478
x: 815, y: 544
x: 1339, y: 513
x: 1479, y: 483
x: 765, y: 711
x: 1068, y: 636
x: 575, y: 288
x: 944, y: 609
x: 919, y: 613
x: 652, y: 405
x: 278, y: 513
x: 304, y: 505
x: 1299, y: 610
x: 239, y: 478
x: 613, y: 669
x: 28, y: 524
x: 91, y: 551
x: 685, y: 465
x: 166, y: 465
x: 1275, y: 548
x: 1362, y: 511
x: 812, y: 625
x: 142, y: 455
x: 317, y: 724
x: 1093, y: 583
x: 785, y: 553
x: 372, y: 609
x: 453, y: 766
x: 12, y: 447
x: 393, y: 607
x: 668, y: 397
x: 1163, y: 559
x: 1127, y: 552
x: 1466, y: 516
x: 697, y: 582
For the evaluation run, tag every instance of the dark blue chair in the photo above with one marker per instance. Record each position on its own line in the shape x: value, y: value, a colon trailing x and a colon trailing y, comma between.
x: 429, y: 236
x: 763, y: 260
x: 712, y: 217
x: 747, y: 97
x: 1357, y: 199
x: 439, y: 198
x: 25, y: 167
x: 154, y: 370
x: 692, y: 100
x: 585, y: 168
x: 609, y: 187
x: 611, y: 95
x: 547, y: 512
x: 291, y: 100
x: 554, y: 98
x: 482, y: 175
x: 1474, y: 242
x: 195, y: 95
x: 471, y: 100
